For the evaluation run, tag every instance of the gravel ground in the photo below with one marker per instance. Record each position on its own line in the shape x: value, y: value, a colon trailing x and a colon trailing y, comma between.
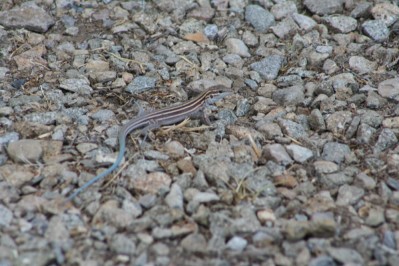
x: 300, y: 166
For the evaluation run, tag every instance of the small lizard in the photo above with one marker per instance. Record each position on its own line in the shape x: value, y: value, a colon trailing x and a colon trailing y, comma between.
x: 157, y: 118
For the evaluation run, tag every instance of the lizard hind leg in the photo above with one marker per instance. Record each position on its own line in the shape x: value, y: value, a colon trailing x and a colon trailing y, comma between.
x: 146, y: 130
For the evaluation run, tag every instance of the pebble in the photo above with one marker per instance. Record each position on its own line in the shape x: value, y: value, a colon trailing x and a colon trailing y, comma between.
x: 103, y: 115
x: 6, y: 216
x: 349, y: 195
x: 8, y: 137
x: 389, y: 88
x: 342, y: 24
x: 151, y: 183
x: 27, y: 16
x: 345, y: 255
x: 194, y: 243
x: 269, y: 67
x: 361, y: 65
x: 289, y: 96
x: 366, y: 181
x: 324, y: 7
x: 25, y: 151
x: 259, y: 18
x: 175, y: 197
x: 335, y: 152
x: 292, y: 129
x: 122, y: 244
x: 110, y: 213
x: 283, y: 9
x: 386, y: 139
x: 299, y: 153
x: 376, y: 29
x: 174, y: 149
x: 238, y: 47
x: 325, y: 167
x: 375, y: 217
x: 81, y: 86
x: 141, y: 84
x: 386, y: 12
x: 304, y: 22
x: 277, y: 153
x: 285, y: 28
x: 211, y: 31
x: 237, y: 243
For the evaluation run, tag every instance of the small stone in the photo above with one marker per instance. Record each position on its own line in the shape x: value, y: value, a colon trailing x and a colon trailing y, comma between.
x: 270, y: 130
x: 324, y: 7
x: 361, y: 9
x: 292, y: 129
x: 365, y: 133
x: 269, y: 67
x: 391, y: 122
x: 132, y: 207
x: 205, y: 197
x: 299, y: 153
x: 325, y: 167
x: 151, y: 183
x: 111, y: 214
x: 174, y: 149
x: 361, y: 65
x: 389, y: 89
x: 56, y: 230
x: 84, y: 148
x: 5, y: 111
x: 330, y: 67
x: 5, y: 216
x: 285, y: 28
x: 194, y: 243
x: 202, y: 13
x: 236, y: 46
x: 289, y: 96
x: 349, y: 195
x: 376, y: 29
x: 375, y: 217
x: 28, y: 16
x: 335, y: 152
x: 386, y: 139
x: 211, y: 31
x: 283, y: 9
x: 304, y: 22
x: 141, y: 84
x: 3, y: 72
x: 250, y: 39
x: 346, y: 255
x: 277, y: 153
x: 243, y: 107
x: 175, y: 197
x: 386, y: 12
x: 259, y: 18
x: 316, y: 120
x: 343, y: 24
x: 25, y: 151
x: 237, y: 243
x: 81, y: 86
x: 121, y: 244
x: 322, y: 260
x: 338, y: 121
x: 366, y: 181
x: 17, y: 175
x: 103, y: 115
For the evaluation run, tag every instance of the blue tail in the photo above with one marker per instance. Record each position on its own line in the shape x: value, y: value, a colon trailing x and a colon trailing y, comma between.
x: 103, y: 174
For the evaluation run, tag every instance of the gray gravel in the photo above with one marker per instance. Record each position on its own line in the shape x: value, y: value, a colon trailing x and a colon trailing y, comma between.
x: 298, y: 167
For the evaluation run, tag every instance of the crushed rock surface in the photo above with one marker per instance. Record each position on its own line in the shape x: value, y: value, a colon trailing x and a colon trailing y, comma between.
x: 300, y: 166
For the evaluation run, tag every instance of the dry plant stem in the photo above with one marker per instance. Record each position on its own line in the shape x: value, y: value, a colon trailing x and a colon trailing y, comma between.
x: 129, y: 61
